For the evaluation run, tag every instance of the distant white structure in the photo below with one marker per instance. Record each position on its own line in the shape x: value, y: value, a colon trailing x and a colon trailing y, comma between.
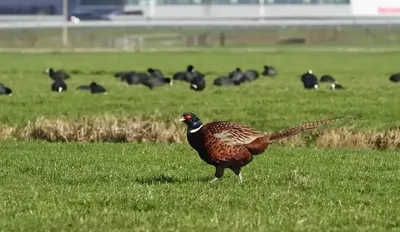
x: 195, y: 8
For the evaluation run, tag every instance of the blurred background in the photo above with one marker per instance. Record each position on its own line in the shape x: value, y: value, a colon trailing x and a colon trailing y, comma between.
x: 139, y: 25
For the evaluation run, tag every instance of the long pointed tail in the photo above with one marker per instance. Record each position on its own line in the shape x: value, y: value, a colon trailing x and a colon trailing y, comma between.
x: 285, y: 133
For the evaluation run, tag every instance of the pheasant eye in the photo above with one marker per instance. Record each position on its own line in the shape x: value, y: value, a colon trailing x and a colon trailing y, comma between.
x: 188, y: 117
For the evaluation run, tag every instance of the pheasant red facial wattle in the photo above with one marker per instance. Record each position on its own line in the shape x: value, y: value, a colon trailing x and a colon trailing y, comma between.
x: 232, y: 145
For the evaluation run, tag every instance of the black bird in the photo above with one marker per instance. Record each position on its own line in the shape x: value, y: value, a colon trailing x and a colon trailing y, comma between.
x: 134, y: 78
x: 59, y: 74
x: 236, y: 75
x: 4, y: 90
x: 309, y: 80
x: 59, y: 86
x: 192, y: 73
x: 395, y: 78
x: 245, y: 79
x: 187, y: 75
x: 225, y: 81
x: 120, y: 74
x: 327, y: 78
x: 308, y: 75
x: 153, y: 82
x: 198, y: 84
x: 336, y: 85
x: 155, y: 73
x: 179, y: 76
x: 250, y: 74
x: 269, y: 71
x: 96, y: 88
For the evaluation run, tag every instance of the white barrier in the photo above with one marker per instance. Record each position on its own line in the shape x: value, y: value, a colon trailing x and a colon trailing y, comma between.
x: 204, y: 23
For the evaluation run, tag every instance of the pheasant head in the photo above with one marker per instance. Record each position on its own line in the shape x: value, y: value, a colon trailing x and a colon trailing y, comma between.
x: 192, y: 121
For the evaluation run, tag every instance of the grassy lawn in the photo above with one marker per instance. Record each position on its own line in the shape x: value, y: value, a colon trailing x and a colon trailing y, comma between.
x: 164, y: 186
x: 267, y: 103
x: 128, y: 187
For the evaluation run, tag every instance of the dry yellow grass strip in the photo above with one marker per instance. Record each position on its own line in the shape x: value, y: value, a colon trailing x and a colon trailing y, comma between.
x: 6, y: 132
x: 348, y: 137
x: 101, y: 129
x: 138, y: 130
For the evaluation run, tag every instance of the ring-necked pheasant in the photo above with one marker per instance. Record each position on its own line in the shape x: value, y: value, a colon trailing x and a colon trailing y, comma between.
x: 232, y: 145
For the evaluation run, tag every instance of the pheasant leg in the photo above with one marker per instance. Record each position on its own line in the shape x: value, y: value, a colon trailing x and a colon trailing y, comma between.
x: 240, y: 177
x: 238, y: 173
x: 215, y: 179
x: 219, y: 172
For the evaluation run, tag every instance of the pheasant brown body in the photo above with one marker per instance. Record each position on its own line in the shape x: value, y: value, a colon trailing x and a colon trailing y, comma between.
x: 233, y: 145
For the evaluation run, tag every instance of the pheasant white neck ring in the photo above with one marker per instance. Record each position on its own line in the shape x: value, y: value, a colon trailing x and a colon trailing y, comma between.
x: 196, y: 129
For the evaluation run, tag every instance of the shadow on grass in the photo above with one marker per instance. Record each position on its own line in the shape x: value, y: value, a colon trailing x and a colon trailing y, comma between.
x: 164, y: 179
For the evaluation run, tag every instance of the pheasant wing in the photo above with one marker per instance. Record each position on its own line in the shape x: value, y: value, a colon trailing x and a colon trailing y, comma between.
x: 233, y: 133
x: 224, y: 140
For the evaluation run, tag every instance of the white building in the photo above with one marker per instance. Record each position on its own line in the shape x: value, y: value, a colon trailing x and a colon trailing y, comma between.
x: 195, y: 8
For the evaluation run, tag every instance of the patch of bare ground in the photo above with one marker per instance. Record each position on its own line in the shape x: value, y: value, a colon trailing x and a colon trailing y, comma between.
x: 139, y: 130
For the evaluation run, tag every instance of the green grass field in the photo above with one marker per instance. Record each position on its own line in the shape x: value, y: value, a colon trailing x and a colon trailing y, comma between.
x: 111, y: 187
x: 164, y: 186
x: 267, y: 103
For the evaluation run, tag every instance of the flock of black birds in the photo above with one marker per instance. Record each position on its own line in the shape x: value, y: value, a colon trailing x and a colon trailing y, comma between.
x: 59, y: 85
x: 155, y: 78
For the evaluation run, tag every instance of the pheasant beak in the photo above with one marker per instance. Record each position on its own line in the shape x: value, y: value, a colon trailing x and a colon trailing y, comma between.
x: 182, y: 119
